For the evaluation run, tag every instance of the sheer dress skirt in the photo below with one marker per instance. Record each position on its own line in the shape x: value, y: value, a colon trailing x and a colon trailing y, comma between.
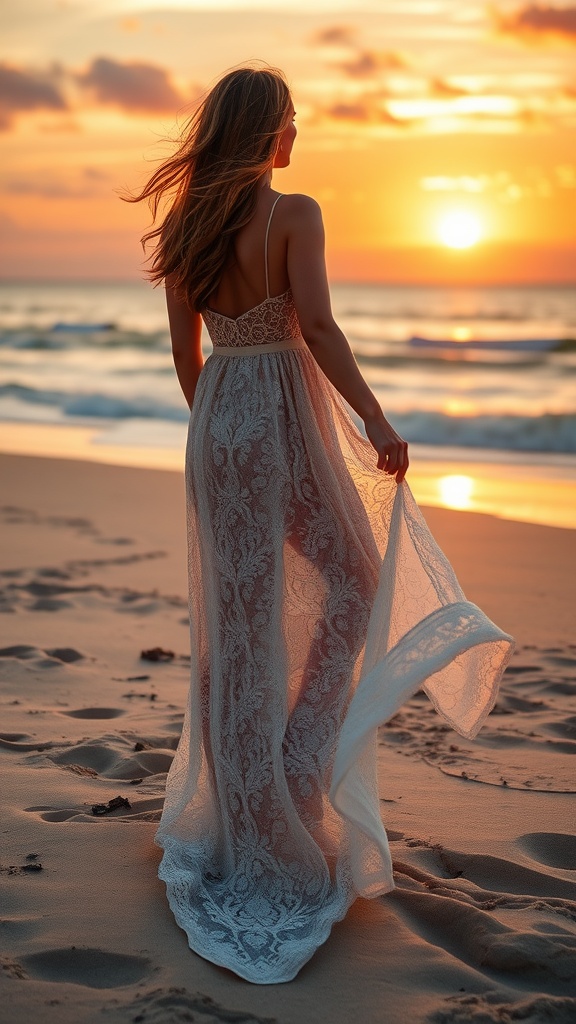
x: 319, y: 602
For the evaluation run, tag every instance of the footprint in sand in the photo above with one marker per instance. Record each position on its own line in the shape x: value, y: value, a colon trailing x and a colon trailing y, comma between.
x: 50, y: 588
x: 22, y: 742
x: 20, y: 926
x: 564, y: 660
x: 94, y: 968
x: 171, y: 1005
x: 495, y: 1007
x: 497, y: 874
x: 555, y: 849
x: 48, y: 813
x: 563, y: 688
x: 176, y: 724
x: 109, y: 757
x: 461, y: 917
x: 94, y: 713
x: 148, y: 809
x: 566, y: 729
x: 20, y: 651
x: 47, y: 656
x: 65, y: 654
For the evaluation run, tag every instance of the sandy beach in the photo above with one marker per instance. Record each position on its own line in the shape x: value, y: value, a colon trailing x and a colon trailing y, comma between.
x: 482, y: 924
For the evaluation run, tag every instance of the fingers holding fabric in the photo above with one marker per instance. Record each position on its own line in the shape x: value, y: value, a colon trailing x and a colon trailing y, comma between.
x: 391, y: 449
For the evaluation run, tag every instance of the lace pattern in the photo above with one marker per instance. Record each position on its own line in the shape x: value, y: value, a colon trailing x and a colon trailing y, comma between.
x: 318, y: 603
x: 275, y: 319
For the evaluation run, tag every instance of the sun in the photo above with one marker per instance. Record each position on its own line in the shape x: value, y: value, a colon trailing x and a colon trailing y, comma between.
x: 459, y: 229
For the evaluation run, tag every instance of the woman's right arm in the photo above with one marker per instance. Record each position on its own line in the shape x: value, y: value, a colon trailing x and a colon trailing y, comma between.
x: 309, y: 284
x: 186, y: 336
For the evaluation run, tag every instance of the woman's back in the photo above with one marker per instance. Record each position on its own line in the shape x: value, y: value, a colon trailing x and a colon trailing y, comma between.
x: 258, y: 267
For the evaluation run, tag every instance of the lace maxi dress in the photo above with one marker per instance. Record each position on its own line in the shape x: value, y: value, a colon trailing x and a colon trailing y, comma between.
x: 319, y: 602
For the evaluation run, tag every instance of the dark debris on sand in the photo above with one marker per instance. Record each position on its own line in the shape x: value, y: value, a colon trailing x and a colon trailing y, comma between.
x: 17, y: 869
x: 112, y: 805
x: 157, y: 654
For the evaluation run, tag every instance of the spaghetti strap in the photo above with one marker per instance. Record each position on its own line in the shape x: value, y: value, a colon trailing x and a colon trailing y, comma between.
x: 266, y: 244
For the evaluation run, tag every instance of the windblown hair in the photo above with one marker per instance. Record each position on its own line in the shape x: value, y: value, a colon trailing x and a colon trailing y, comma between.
x: 224, y: 149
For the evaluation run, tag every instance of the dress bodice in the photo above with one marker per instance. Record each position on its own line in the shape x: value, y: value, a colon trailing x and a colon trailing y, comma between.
x: 273, y: 320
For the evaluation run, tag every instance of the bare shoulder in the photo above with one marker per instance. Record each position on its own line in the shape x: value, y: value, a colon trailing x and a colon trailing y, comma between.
x: 301, y: 209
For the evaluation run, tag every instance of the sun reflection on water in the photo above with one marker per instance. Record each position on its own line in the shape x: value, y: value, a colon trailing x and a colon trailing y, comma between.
x: 456, y: 491
x: 461, y: 334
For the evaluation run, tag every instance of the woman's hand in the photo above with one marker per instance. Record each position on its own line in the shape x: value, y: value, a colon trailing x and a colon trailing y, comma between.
x: 391, y: 449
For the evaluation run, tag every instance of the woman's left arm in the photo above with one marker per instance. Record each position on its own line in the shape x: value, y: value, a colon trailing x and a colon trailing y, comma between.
x: 186, y: 335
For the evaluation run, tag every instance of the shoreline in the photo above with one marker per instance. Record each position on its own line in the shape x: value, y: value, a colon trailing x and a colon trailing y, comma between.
x: 510, y: 485
x: 493, y: 557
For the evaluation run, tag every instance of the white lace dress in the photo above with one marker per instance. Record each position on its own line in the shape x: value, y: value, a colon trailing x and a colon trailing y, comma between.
x: 319, y: 602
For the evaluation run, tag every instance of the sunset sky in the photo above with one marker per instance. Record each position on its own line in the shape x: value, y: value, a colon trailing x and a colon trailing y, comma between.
x: 438, y: 135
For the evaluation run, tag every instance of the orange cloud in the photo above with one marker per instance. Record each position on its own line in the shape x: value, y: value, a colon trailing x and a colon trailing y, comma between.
x: 362, y: 62
x: 349, y: 111
x: 85, y: 183
x: 25, y: 91
x: 441, y: 88
x: 335, y: 35
x: 365, y: 63
x: 136, y: 87
x: 537, y: 22
x: 364, y: 110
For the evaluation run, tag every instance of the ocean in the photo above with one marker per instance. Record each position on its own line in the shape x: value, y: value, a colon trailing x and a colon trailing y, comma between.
x: 499, y: 390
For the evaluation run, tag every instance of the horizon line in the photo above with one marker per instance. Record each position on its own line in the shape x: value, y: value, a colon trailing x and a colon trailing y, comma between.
x: 355, y: 283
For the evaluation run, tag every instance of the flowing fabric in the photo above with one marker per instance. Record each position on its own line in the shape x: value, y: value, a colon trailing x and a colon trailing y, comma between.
x: 319, y: 602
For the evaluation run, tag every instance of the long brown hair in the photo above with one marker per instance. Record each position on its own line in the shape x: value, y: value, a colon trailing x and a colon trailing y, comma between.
x: 224, y: 149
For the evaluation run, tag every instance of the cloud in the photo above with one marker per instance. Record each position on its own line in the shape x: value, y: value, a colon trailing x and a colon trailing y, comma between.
x: 64, y: 183
x: 442, y: 89
x: 537, y: 22
x: 364, y: 110
x: 385, y: 117
x: 428, y: 115
x: 22, y: 90
x: 533, y: 182
x: 45, y: 189
x: 349, y: 111
x: 95, y: 174
x: 361, y: 62
x: 136, y: 87
x: 365, y: 63
x: 335, y: 35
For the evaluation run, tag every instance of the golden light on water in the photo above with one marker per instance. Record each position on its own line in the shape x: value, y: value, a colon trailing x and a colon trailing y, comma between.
x: 505, y: 490
x: 456, y: 491
x: 459, y: 229
x: 459, y: 407
x: 461, y: 334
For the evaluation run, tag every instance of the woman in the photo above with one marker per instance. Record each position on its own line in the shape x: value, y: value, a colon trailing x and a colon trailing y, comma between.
x: 319, y: 602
